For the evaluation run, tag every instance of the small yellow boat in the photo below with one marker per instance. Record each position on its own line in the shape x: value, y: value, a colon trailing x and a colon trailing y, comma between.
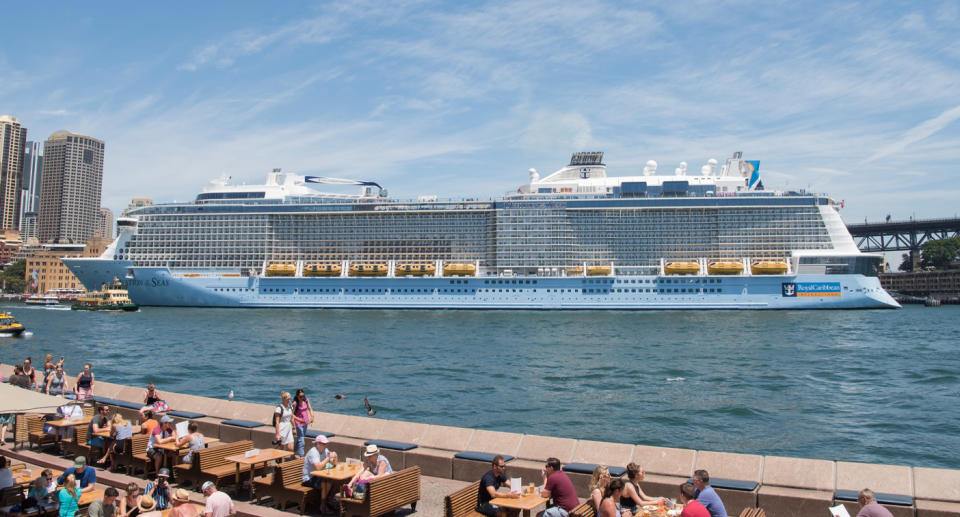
x: 281, y: 270
x: 768, y: 267
x: 681, y: 268
x: 10, y: 326
x: 415, y: 269
x: 724, y: 267
x: 459, y: 270
x: 598, y: 270
x: 575, y: 270
x: 322, y: 270
x: 368, y: 270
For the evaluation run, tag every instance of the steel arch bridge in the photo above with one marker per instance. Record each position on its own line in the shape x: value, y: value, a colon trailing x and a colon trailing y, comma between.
x: 902, y: 235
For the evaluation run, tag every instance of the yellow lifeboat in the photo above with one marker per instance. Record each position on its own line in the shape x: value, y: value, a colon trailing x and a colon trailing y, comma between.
x: 368, y: 270
x: 575, y: 270
x: 681, y: 268
x: 768, y: 267
x: 598, y: 270
x: 459, y: 270
x: 322, y: 270
x: 415, y: 269
x: 281, y: 270
x: 724, y: 267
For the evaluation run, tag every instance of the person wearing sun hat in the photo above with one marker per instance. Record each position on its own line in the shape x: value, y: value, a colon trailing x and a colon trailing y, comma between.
x: 375, y: 465
x: 148, y: 507
x: 182, y: 506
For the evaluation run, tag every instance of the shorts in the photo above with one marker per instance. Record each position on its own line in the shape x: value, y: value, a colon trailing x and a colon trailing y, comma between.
x: 96, y: 441
x: 8, y: 418
x: 153, y: 452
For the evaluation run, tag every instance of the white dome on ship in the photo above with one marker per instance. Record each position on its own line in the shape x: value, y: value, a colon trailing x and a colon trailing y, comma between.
x: 534, y: 175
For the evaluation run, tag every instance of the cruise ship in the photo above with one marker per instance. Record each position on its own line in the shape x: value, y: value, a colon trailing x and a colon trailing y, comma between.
x: 575, y: 239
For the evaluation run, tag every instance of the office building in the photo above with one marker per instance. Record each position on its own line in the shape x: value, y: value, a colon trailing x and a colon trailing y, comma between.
x: 13, y: 138
x: 104, y: 223
x: 70, y: 188
x: 30, y: 193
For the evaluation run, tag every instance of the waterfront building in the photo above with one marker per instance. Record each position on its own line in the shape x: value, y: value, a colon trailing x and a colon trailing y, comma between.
x: 104, y: 223
x: 70, y: 188
x: 45, y: 271
x: 13, y: 139
x: 9, y: 246
x: 30, y: 193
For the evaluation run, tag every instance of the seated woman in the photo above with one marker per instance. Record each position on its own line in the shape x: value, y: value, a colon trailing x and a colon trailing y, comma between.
x: 609, y: 506
x: 152, y: 401
x: 633, y: 497
x: 194, y: 438
x: 374, y: 466
x: 120, y: 431
x: 130, y: 504
x: 599, y: 481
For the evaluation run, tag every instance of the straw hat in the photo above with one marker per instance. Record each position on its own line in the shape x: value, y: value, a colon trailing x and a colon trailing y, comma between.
x: 181, y: 496
x: 372, y: 450
x: 147, y: 503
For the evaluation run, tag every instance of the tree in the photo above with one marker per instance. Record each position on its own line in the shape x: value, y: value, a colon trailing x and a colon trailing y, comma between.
x: 13, y: 277
x: 940, y: 253
x: 906, y: 265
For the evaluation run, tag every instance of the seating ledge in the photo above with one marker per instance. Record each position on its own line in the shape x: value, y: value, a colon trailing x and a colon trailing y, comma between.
x: 248, y: 424
x: 486, y: 457
x: 391, y: 444
x: 588, y: 468
x: 734, y: 484
x: 882, y: 497
x: 942, y: 506
x: 808, y: 493
x: 107, y: 401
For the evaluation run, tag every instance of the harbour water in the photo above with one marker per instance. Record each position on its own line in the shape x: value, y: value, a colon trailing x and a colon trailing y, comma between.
x: 876, y: 386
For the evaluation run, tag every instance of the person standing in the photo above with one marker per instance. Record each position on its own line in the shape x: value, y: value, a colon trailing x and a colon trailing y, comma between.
x: 558, y: 487
x: 84, y: 384
x: 30, y: 372
x: 218, y: 504
x: 283, y: 423
x: 706, y: 495
x: 490, y: 487
x: 869, y: 507
x: 302, y: 418
x: 57, y: 382
x: 106, y: 507
x: 691, y: 507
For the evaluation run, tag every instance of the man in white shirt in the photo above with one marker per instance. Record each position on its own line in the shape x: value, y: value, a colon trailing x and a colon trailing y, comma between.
x: 219, y: 503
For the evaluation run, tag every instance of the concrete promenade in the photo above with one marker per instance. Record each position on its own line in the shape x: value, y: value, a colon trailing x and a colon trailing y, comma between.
x: 780, y: 485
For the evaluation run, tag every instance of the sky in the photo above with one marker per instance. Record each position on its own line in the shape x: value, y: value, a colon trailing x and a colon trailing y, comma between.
x: 858, y: 100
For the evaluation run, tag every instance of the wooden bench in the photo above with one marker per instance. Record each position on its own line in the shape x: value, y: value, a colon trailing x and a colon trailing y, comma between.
x: 210, y: 464
x: 584, y: 509
x: 30, y: 430
x: 385, y: 495
x: 463, y: 502
x: 285, y: 486
x: 753, y: 512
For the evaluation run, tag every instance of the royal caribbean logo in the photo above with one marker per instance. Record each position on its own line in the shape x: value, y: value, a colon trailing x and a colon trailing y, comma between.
x: 811, y: 289
x: 585, y: 172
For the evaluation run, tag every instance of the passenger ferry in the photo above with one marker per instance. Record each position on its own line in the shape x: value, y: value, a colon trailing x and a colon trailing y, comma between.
x: 575, y: 239
x: 111, y: 297
x: 42, y: 299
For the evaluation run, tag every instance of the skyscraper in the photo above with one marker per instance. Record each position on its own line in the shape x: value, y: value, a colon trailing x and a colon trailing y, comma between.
x: 70, y: 188
x: 13, y: 138
x: 32, y: 167
x: 104, y: 223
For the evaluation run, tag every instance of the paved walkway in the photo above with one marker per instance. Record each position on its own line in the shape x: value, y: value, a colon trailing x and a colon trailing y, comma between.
x: 432, y: 490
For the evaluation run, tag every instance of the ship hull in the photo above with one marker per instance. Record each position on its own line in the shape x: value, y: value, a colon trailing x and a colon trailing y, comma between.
x: 159, y: 287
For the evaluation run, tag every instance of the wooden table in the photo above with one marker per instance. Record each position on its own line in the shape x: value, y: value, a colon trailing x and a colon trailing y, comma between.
x: 106, y: 433
x: 63, y: 422
x: 338, y: 475
x: 265, y: 456
x: 526, y: 503
x: 24, y: 479
x: 200, y: 508
x: 88, y: 497
x: 181, y: 450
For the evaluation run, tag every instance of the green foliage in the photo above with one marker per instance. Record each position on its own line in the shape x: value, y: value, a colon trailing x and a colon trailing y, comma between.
x: 906, y: 264
x: 940, y: 253
x: 13, y: 277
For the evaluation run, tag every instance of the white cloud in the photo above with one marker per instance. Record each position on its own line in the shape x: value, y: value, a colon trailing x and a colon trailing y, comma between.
x: 917, y: 133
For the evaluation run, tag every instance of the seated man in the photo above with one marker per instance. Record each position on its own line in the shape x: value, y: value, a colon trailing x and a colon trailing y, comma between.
x: 557, y: 487
x: 490, y: 486
x: 869, y: 507
x: 148, y: 423
x: 706, y: 495
x: 86, y: 476
x: 159, y: 489
x: 319, y: 458
x: 691, y: 507
x: 98, y: 423
x: 106, y: 507
x: 164, y: 433
x: 6, y: 476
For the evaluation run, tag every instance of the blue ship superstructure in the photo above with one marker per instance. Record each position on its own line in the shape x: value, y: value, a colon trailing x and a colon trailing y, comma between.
x: 576, y: 239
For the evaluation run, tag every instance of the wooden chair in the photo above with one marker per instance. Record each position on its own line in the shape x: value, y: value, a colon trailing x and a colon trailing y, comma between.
x: 78, y: 445
x: 11, y: 496
x: 136, y: 458
x: 33, y: 432
x: 88, y: 410
x: 753, y: 512
x: 463, y: 502
x: 584, y: 509
x: 385, y: 495
x: 285, y: 486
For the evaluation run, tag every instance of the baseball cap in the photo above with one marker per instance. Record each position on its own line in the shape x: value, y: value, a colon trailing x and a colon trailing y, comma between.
x: 321, y: 439
x: 166, y: 420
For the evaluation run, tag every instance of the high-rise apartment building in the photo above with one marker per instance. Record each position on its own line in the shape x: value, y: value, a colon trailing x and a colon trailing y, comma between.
x: 13, y: 138
x: 104, y: 223
x: 70, y: 188
x: 32, y: 167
